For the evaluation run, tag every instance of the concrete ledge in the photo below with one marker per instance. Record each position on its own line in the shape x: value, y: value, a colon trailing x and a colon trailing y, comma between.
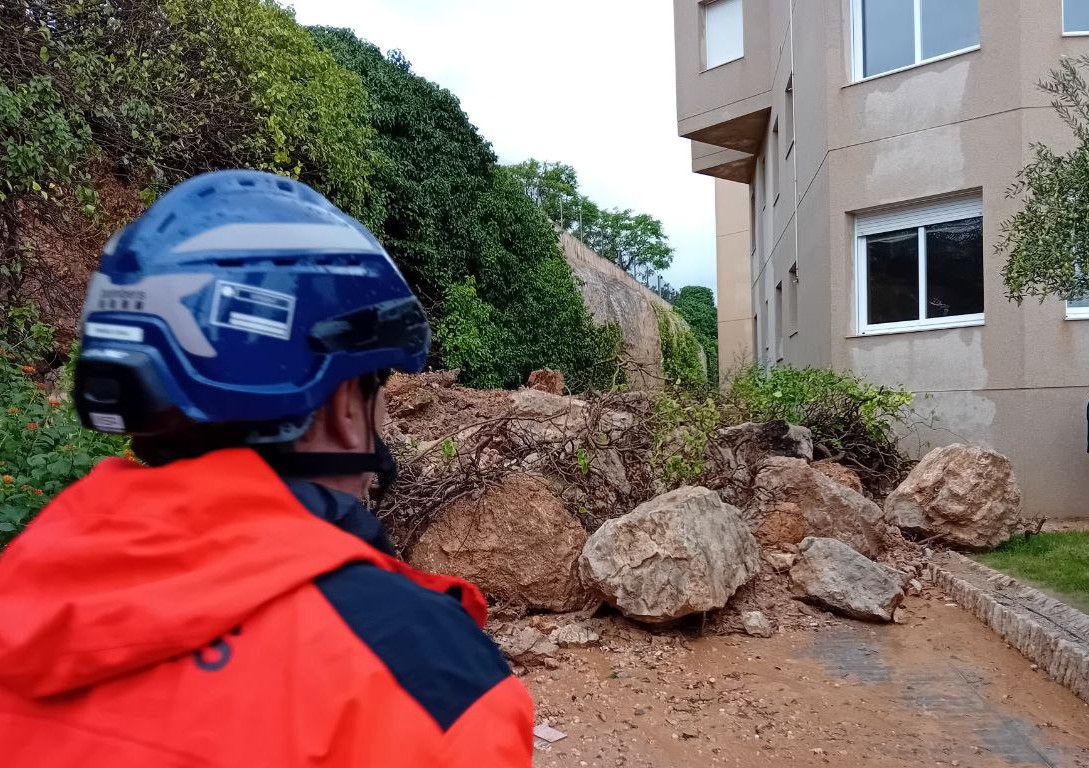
x: 1050, y: 633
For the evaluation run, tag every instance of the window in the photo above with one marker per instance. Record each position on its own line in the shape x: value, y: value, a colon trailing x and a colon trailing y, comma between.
x: 788, y: 115
x: 1078, y: 309
x: 775, y: 149
x: 894, y: 34
x: 1076, y: 17
x: 920, y: 267
x: 723, y: 32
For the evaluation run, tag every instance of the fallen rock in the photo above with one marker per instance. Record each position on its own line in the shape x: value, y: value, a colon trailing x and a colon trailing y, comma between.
x: 793, y: 501
x: 526, y: 646
x: 574, y: 636
x: 681, y: 553
x: 831, y: 574
x: 964, y: 496
x: 914, y: 587
x: 517, y: 543
x: 547, y: 380
x: 555, y: 418
x: 839, y: 473
x: 756, y: 624
x: 780, y: 561
x: 752, y: 442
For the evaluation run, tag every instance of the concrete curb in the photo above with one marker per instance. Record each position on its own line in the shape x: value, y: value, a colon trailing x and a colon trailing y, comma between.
x: 1048, y: 632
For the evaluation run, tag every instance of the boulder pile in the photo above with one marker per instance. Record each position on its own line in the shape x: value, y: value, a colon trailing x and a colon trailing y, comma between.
x: 555, y: 503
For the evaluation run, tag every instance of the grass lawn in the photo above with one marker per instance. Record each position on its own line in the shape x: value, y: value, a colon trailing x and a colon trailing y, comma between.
x: 1054, y: 562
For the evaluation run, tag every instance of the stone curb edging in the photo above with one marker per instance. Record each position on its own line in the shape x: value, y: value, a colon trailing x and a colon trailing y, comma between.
x: 1046, y: 631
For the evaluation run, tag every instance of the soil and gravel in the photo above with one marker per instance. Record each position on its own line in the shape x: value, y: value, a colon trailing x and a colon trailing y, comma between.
x: 936, y: 690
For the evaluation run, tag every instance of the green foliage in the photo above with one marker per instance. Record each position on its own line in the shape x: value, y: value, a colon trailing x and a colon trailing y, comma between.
x: 1054, y: 561
x: 852, y: 421
x: 696, y: 305
x: 682, y: 359
x: 1047, y: 242
x: 681, y: 427
x: 43, y: 448
x: 635, y: 242
x: 475, y: 248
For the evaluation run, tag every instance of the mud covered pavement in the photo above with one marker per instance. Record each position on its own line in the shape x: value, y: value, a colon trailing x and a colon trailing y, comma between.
x: 936, y: 690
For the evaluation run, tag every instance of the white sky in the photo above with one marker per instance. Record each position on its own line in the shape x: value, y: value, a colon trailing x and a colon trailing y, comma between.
x: 573, y: 81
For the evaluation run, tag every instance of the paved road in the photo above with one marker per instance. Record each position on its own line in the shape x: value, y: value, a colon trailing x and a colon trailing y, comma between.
x: 940, y: 690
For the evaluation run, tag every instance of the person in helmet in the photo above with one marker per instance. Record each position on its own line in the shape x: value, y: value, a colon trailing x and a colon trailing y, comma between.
x: 230, y: 602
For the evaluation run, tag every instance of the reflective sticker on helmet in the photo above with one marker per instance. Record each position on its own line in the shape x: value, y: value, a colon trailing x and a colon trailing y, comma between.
x: 114, y: 332
x: 253, y: 310
x: 107, y: 422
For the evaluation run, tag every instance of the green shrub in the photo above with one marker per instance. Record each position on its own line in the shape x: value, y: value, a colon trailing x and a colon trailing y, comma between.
x: 43, y: 448
x: 680, y: 429
x: 696, y: 305
x: 852, y: 421
x: 682, y: 361
x: 469, y: 336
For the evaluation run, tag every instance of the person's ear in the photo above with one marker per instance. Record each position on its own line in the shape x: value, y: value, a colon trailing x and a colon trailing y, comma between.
x: 347, y: 416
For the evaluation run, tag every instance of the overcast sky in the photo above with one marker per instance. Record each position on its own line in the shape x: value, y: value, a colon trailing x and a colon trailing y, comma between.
x: 585, y: 82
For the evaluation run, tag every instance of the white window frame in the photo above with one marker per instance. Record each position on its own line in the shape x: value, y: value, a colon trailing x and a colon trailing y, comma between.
x: 706, y: 66
x: 909, y: 217
x: 1072, y: 33
x: 1076, y: 313
x: 858, y: 50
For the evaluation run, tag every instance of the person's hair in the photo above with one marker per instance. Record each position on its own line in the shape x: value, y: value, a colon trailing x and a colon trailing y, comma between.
x: 199, y: 439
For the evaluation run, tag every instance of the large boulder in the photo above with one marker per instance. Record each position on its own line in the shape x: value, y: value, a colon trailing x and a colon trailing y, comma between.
x: 557, y: 418
x: 516, y: 542
x: 792, y: 501
x: 962, y: 495
x: 750, y: 443
x: 831, y: 574
x: 681, y: 553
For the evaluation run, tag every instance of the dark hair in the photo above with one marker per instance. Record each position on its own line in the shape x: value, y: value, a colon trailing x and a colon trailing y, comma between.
x: 199, y: 439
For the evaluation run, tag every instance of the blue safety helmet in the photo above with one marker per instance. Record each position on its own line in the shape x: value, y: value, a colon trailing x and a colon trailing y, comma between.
x: 239, y: 297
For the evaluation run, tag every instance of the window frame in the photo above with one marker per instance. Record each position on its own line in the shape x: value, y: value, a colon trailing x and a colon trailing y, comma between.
x: 1072, y: 33
x: 858, y: 63
x: 1075, y: 313
x: 911, y: 216
x: 706, y: 66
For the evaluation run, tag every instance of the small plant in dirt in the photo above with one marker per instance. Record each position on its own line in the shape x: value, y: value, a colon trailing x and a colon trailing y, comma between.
x: 43, y: 448
x: 854, y: 422
x: 681, y: 428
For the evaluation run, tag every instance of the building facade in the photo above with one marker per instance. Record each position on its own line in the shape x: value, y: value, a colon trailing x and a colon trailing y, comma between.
x: 864, y: 149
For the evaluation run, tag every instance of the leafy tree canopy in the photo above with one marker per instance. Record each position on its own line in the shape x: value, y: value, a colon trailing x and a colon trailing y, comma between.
x: 1047, y: 241
x: 696, y: 305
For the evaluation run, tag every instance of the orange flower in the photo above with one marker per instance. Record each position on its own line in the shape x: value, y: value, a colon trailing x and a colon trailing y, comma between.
x: 128, y: 454
x: 29, y: 369
x: 33, y: 425
x: 8, y: 479
x: 39, y: 384
x: 54, y: 401
x: 38, y: 491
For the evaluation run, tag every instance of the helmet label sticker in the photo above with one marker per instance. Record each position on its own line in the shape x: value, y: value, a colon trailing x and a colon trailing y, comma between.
x: 114, y: 332
x: 253, y: 310
x: 107, y: 422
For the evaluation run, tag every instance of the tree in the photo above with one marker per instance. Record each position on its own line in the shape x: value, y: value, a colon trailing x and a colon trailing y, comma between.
x: 1047, y: 242
x: 635, y: 242
x: 696, y: 305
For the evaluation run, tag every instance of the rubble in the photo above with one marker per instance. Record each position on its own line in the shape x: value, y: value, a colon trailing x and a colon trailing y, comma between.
x: 794, y: 501
x: 681, y: 553
x: 837, y: 577
x: 547, y: 380
x: 756, y: 624
x: 526, y: 646
x: 961, y: 495
x: 841, y: 474
x: 574, y: 636
x: 516, y: 542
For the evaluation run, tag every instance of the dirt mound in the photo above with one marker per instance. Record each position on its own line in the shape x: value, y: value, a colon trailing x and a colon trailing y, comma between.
x: 430, y: 406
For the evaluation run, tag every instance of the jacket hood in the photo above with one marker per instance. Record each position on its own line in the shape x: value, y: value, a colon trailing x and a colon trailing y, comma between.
x: 132, y: 566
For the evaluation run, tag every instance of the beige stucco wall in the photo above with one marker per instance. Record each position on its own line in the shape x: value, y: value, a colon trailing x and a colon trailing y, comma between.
x: 1018, y: 383
x: 732, y: 253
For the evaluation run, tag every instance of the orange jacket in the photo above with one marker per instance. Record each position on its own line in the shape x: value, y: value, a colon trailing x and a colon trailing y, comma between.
x: 199, y: 615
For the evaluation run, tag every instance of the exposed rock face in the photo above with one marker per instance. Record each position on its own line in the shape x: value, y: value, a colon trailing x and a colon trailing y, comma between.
x: 612, y: 296
x: 839, y: 473
x: 681, y: 553
x: 516, y: 543
x: 794, y: 501
x: 547, y: 380
x: 963, y: 495
x: 831, y: 574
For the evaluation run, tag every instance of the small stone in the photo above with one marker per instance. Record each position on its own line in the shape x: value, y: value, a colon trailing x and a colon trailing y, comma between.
x: 914, y: 587
x: 574, y: 636
x: 780, y: 561
x: 756, y: 624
